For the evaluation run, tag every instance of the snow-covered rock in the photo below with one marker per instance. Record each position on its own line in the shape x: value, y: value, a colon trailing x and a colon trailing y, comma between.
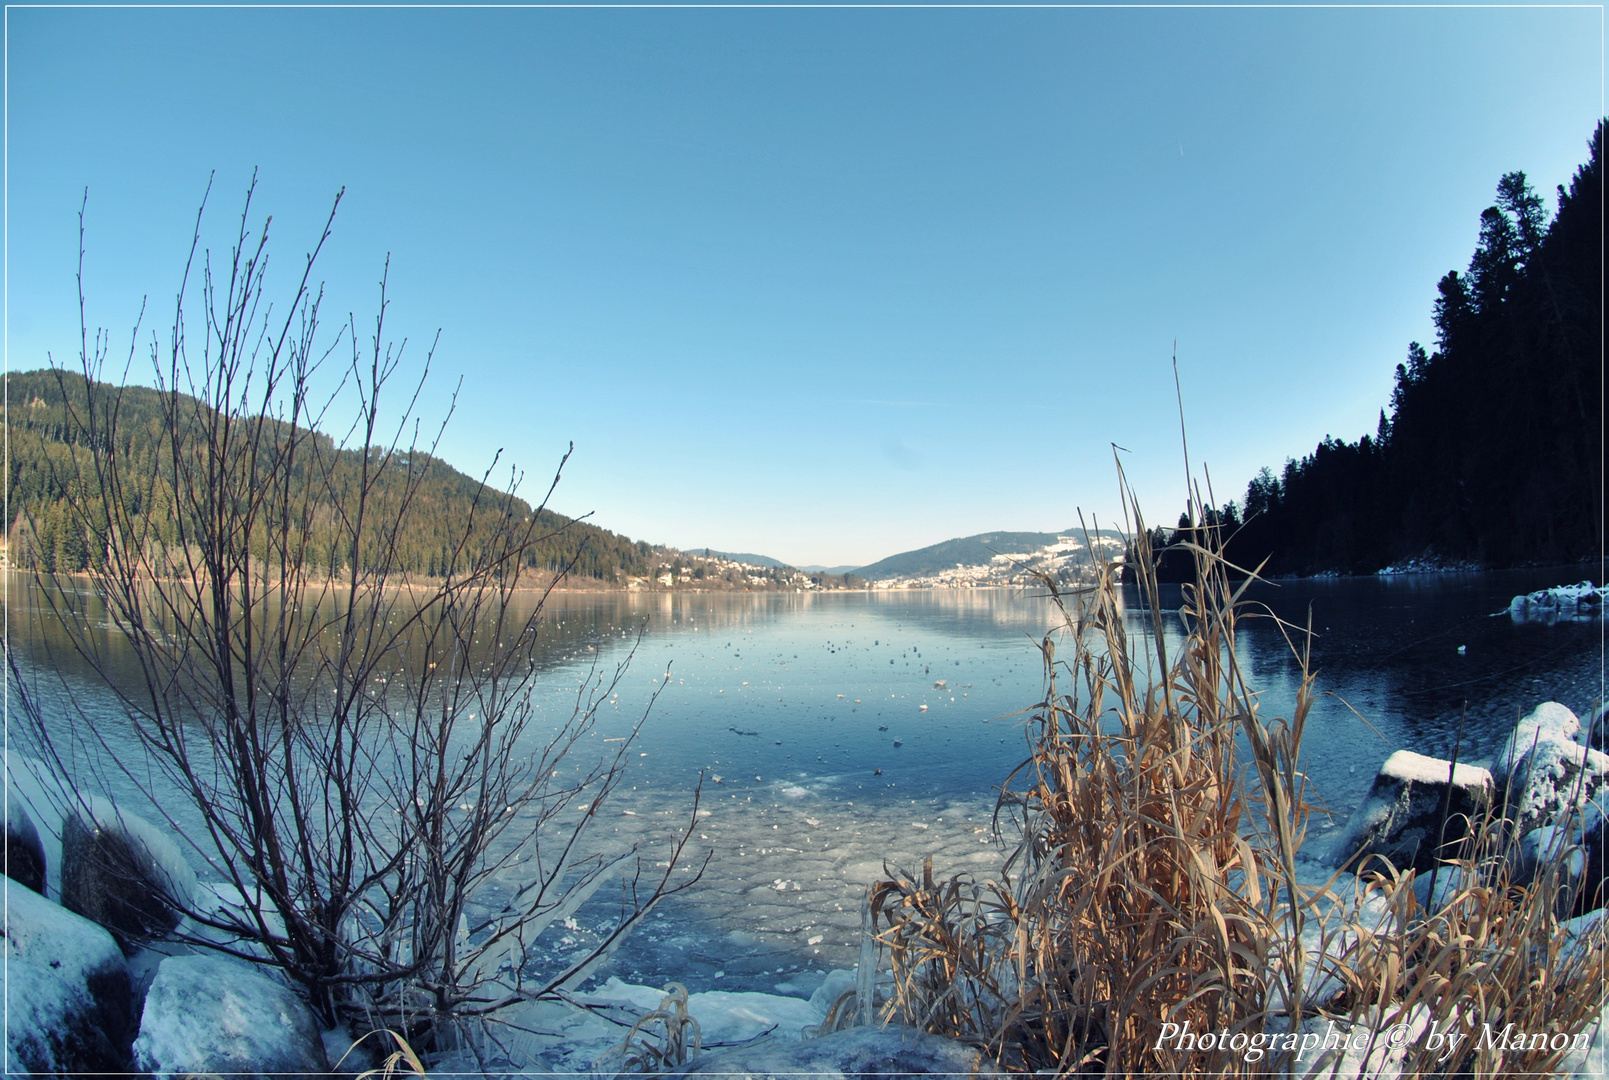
x: 1593, y: 1062
x: 1540, y: 847
x: 42, y: 796
x: 1594, y: 840
x: 1549, y: 721
x: 24, y: 853
x: 1401, y: 817
x: 208, y: 1014
x: 69, y: 1008
x: 1550, y: 782
x: 1562, y: 602
x: 857, y: 1052
x: 123, y: 872
x: 1598, y: 730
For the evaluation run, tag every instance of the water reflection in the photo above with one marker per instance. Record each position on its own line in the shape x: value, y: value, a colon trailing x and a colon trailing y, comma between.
x: 919, y: 692
x: 834, y: 731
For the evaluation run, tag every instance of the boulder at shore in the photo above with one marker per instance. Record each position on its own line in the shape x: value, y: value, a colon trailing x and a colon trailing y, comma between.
x: 208, y: 1014
x: 1401, y: 817
x: 1551, y: 782
x: 69, y: 1005
x: 24, y: 852
x: 857, y: 1052
x: 123, y: 872
x: 1548, y: 722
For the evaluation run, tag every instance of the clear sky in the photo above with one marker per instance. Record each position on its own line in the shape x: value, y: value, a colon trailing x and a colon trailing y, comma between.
x: 820, y: 284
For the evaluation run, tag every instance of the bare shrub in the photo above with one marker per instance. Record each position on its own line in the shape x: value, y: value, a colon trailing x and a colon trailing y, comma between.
x: 392, y: 822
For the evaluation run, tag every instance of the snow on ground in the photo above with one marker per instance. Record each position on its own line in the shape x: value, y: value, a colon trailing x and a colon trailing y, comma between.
x: 584, y: 1034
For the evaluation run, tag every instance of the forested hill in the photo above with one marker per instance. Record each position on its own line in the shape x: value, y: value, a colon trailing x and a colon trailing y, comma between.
x: 43, y: 442
x: 979, y: 550
x: 1491, y: 449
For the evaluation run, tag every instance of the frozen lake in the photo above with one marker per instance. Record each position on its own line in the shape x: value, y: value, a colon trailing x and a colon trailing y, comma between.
x: 836, y: 731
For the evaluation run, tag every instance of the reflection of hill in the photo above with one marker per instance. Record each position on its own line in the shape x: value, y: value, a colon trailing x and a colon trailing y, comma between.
x: 951, y: 612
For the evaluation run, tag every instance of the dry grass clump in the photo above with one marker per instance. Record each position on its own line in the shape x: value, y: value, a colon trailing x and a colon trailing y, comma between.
x: 664, y: 1039
x: 404, y: 1061
x: 1492, y: 960
x: 1152, y: 882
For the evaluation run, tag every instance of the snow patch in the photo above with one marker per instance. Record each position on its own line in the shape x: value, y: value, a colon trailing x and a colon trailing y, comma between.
x: 206, y: 1014
x: 1419, y: 769
x: 1549, y: 720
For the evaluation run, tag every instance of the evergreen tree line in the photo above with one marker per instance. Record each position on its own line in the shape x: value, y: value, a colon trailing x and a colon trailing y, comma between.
x: 1490, y: 451
x: 53, y: 511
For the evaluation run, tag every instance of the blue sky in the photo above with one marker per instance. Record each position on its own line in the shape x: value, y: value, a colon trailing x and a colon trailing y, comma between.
x: 822, y: 284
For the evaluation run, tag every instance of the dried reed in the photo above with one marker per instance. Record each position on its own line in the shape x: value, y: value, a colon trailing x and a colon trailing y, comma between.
x: 1151, y: 880
x: 663, y: 1040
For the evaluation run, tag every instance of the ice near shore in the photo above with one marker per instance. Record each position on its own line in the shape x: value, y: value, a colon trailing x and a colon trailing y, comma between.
x: 772, y: 1008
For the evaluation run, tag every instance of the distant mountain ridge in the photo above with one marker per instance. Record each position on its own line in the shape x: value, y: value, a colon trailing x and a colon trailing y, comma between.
x: 978, y: 550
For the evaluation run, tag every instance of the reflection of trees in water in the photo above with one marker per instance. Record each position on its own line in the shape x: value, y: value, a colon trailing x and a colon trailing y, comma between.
x: 956, y: 612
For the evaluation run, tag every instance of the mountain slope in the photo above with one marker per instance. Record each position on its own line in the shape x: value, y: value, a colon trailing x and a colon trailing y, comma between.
x: 979, y: 550
x: 45, y: 455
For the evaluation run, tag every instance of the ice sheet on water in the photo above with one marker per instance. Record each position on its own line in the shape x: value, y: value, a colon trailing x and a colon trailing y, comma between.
x: 583, y: 1034
x: 782, y: 894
